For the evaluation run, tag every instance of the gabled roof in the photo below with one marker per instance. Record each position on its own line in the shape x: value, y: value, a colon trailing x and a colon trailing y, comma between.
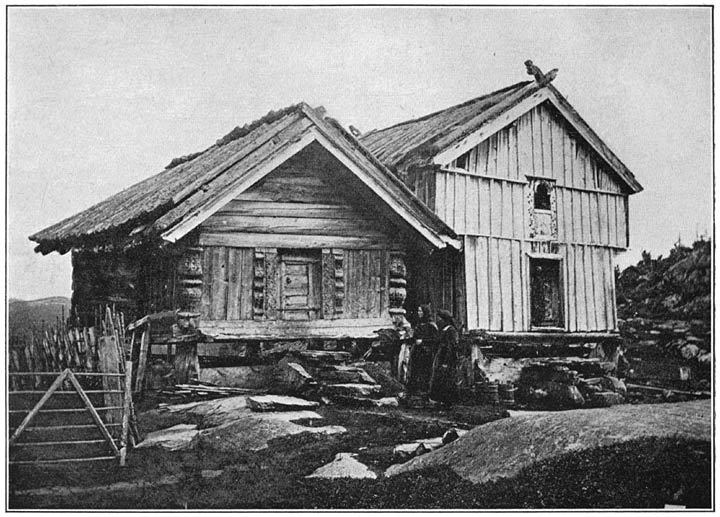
x: 176, y: 200
x: 440, y: 137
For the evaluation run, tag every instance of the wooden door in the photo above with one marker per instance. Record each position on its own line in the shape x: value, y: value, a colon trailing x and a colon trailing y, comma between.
x: 300, y: 284
x: 545, y: 293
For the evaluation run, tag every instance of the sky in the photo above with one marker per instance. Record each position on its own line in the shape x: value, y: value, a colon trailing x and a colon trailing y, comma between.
x: 100, y: 98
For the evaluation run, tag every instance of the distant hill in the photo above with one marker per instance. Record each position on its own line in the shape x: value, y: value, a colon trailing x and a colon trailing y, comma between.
x: 672, y: 287
x: 23, y: 314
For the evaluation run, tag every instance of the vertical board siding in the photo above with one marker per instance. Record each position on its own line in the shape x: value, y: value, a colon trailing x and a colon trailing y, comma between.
x: 227, y: 283
x: 366, y: 284
x: 491, y: 214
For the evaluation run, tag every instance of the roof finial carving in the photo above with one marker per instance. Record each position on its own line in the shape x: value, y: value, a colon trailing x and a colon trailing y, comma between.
x: 541, y: 78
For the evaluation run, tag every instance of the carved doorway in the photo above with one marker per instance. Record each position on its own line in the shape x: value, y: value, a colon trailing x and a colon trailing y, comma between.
x: 300, y: 284
x: 546, y: 293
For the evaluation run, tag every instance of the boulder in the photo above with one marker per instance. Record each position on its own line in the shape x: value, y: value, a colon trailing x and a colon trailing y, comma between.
x: 293, y: 377
x: 565, y: 395
x: 324, y: 356
x: 605, y: 399
x: 431, y: 443
x: 173, y: 438
x: 344, y: 465
x: 405, y: 451
x: 452, y: 434
x: 251, y: 377
x: 610, y: 383
x: 690, y: 351
x: 365, y: 402
x: 279, y: 403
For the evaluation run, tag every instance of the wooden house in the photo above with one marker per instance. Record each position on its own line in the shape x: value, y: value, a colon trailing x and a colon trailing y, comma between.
x: 539, y: 201
x: 507, y: 209
x: 285, y: 228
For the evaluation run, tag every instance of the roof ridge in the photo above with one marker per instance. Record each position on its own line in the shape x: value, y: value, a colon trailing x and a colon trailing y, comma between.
x: 454, y: 106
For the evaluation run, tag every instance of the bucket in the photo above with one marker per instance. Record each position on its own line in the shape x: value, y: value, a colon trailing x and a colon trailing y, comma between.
x: 489, y: 393
x: 506, y: 392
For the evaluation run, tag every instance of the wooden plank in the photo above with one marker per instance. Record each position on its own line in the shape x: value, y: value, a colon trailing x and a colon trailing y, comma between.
x: 603, y: 218
x: 589, y: 288
x: 503, y: 155
x: 234, y: 259
x: 518, y: 210
x: 218, y: 305
x: 599, y: 288
x: 517, y: 287
x: 283, y: 329
x: 470, y: 260
x: 142, y: 359
x: 496, y: 301
x: 496, y: 207
x: 482, y: 283
x: 537, y: 148
x: 568, y: 158
x: 558, y: 164
x: 206, y: 298
x: 594, y: 218
x: 622, y: 221
x: 327, y: 266
x: 547, y: 154
x: 507, y: 210
x: 524, y: 143
x: 260, y: 240
x: 580, y: 298
x: 127, y: 404
x: 246, y: 283
x: 440, y: 199
x: 472, y: 207
x: 506, y: 283
x: 109, y: 356
x: 613, y: 292
x: 357, y: 227
x: 300, y: 209
x: 484, y: 202
x: 586, y: 218
x: 385, y: 283
x: 493, y: 156
x: 513, y: 171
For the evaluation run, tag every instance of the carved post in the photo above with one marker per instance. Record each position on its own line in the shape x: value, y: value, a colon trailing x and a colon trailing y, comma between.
x: 338, y: 257
x: 397, y: 292
x: 259, y: 285
x: 328, y: 284
x: 272, y: 285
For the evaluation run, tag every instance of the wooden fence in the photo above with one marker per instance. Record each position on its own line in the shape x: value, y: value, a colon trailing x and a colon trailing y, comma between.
x: 72, y: 383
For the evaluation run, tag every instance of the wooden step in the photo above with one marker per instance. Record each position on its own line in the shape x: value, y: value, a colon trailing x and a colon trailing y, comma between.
x: 351, y: 390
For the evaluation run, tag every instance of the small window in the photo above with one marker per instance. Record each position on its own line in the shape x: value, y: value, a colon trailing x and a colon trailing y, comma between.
x: 542, y: 196
x: 462, y: 162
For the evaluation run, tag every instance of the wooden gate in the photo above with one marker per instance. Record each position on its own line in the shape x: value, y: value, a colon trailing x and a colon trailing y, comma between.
x: 82, y: 416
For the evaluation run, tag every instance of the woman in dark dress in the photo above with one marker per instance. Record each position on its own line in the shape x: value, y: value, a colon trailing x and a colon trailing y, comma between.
x: 423, y: 351
x: 443, y: 388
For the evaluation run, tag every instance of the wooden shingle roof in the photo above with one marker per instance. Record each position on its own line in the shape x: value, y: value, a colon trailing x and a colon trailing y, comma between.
x: 178, y: 196
x: 429, y: 140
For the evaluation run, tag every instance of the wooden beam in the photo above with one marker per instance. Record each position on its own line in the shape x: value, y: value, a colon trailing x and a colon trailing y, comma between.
x: 127, y: 403
x: 280, y: 329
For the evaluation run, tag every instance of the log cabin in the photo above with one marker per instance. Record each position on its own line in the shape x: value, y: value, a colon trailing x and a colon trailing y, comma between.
x: 539, y: 201
x: 507, y: 209
x: 286, y: 228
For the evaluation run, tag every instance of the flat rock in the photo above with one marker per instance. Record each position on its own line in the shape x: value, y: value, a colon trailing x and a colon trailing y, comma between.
x: 279, y: 403
x: 324, y: 356
x: 175, y: 438
x: 405, y: 451
x: 345, y: 374
x: 504, y: 447
x: 351, y: 390
x: 344, y: 465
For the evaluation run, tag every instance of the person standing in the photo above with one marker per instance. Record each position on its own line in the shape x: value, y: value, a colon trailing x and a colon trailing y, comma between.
x: 443, y: 388
x: 423, y: 351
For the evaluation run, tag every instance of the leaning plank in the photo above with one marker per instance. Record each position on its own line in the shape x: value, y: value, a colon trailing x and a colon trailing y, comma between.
x: 68, y: 460
x: 35, y: 410
x: 126, y: 411
x: 142, y: 359
x: 93, y: 413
